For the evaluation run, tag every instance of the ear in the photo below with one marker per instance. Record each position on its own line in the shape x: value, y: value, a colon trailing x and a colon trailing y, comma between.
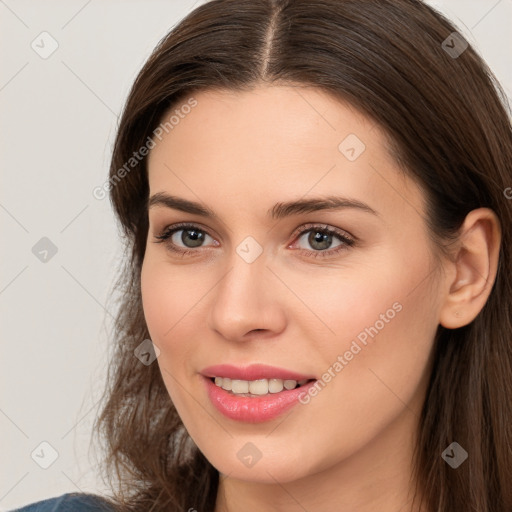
x: 474, y: 265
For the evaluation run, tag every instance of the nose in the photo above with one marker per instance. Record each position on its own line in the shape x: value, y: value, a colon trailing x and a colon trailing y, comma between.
x: 247, y: 301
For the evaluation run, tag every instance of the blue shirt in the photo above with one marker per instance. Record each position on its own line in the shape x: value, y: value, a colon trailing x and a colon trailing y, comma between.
x: 69, y: 502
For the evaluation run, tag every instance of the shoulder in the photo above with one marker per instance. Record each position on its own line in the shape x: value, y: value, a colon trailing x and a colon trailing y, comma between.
x: 70, y: 502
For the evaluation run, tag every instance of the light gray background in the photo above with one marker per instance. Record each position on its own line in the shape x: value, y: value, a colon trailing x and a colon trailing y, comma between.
x: 58, y: 121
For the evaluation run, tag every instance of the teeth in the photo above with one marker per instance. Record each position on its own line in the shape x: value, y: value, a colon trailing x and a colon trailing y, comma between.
x: 275, y: 385
x: 256, y: 387
x: 290, y: 384
x: 225, y: 384
x: 239, y: 386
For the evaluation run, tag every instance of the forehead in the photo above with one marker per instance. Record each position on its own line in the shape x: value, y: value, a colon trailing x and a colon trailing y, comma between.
x: 255, y: 145
x: 284, y: 117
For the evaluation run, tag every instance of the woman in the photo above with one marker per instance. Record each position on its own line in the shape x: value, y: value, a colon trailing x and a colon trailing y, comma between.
x: 316, y: 308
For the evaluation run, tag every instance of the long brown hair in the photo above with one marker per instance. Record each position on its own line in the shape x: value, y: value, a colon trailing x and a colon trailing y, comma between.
x: 449, y: 125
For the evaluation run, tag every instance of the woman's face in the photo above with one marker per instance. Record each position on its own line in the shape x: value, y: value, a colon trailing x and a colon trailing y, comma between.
x: 348, y: 296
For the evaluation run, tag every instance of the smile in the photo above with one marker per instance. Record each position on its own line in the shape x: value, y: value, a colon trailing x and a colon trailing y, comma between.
x: 256, y: 387
x: 252, y: 407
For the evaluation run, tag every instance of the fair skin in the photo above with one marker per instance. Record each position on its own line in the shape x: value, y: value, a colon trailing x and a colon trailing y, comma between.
x: 240, y: 153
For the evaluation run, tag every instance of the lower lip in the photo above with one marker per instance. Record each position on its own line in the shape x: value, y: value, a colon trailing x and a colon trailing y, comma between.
x: 254, y: 409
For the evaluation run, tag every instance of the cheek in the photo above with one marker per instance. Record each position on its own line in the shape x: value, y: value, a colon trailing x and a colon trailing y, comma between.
x: 173, y: 300
x: 380, y: 318
x: 168, y: 295
x: 384, y: 323
x: 168, y: 302
x: 157, y: 297
x: 165, y: 301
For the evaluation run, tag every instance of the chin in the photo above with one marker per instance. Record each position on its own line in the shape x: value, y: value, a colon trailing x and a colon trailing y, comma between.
x: 263, y: 471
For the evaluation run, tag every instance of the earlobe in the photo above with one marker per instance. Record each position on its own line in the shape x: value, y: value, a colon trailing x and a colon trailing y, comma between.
x: 476, y: 263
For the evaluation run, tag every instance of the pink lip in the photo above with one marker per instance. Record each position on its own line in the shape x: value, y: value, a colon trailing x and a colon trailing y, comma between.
x: 252, y: 372
x: 253, y: 409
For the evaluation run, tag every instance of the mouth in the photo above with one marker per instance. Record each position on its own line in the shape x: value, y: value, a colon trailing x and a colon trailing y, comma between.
x: 258, y: 387
x: 257, y: 400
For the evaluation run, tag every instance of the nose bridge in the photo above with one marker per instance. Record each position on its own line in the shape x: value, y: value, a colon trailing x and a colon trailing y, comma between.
x: 243, y: 301
x: 242, y: 286
x: 247, y: 263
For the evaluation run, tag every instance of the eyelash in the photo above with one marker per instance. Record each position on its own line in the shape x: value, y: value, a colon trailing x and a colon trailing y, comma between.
x: 347, y: 242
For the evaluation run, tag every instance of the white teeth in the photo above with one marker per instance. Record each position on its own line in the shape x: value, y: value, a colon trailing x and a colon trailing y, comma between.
x: 240, y: 386
x: 225, y: 384
x: 290, y: 384
x: 256, y: 387
x: 275, y: 385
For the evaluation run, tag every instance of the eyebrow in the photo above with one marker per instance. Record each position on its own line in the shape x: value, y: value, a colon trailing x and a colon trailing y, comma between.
x: 278, y: 211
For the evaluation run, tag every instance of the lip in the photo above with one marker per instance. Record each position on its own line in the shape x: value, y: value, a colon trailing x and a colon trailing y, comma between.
x: 253, y: 372
x: 253, y: 409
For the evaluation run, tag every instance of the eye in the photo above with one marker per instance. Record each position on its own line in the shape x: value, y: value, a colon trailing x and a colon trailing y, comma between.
x: 321, y: 237
x: 184, y: 238
x: 187, y: 238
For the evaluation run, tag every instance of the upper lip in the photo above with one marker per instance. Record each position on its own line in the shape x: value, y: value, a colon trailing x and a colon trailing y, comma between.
x: 253, y: 372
